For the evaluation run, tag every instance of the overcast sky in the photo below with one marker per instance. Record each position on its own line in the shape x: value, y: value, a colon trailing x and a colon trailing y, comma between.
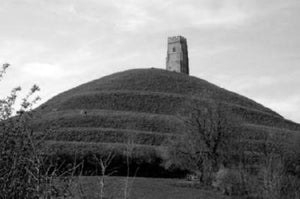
x: 251, y: 47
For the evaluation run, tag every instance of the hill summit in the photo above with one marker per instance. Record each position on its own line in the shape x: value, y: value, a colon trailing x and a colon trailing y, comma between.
x: 145, y: 106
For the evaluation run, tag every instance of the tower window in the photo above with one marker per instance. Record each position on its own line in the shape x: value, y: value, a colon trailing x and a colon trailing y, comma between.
x: 174, y: 49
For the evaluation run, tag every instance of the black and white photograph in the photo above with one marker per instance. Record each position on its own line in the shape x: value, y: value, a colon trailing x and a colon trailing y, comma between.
x: 150, y: 99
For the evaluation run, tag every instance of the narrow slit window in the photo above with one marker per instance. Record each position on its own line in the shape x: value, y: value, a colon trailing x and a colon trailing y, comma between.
x: 174, y: 49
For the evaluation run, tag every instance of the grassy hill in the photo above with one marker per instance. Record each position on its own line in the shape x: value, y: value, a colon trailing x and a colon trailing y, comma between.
x: 146, y: 107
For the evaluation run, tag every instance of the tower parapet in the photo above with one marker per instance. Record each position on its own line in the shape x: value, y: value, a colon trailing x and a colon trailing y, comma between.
x: 177, y: 56
x: 176, y: 39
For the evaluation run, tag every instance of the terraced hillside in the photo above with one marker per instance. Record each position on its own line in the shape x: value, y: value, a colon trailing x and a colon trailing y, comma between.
x: 143, y: 108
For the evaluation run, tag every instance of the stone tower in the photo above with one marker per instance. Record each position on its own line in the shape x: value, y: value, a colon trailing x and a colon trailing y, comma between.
x: 177, y: 56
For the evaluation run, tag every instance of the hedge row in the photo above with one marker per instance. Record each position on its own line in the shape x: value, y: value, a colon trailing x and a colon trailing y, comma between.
x: 143, y: 152
x: 104, y: 135
x: 144, y: 161
x: 155, y: 80
x: 126, y: 101
x: 263, y: 118
x: 146, y: 122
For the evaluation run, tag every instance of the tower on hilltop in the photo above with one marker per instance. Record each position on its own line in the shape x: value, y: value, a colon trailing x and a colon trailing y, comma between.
x: 177, y: 56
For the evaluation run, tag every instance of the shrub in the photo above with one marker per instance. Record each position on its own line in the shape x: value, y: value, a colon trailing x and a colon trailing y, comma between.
x: 22, y: 172
x: 276, y: 182
x: 230, y: 181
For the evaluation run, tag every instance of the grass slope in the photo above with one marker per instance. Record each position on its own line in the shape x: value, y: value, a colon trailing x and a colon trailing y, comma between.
x: 108, y: 135
x: 156, y: 80
x: 148, y: 105
x: 109, y: 119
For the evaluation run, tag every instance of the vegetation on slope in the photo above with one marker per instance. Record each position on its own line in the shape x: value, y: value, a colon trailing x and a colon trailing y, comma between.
x: 107, y: 135
x: 156, y: 80
x: 128, y: 120
x: 152, y: 106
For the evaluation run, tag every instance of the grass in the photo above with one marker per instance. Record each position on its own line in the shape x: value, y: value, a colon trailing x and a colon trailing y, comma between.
x: 264, y: 129
x: 130, y: 120
x: 138, y: 101
x: 154, y: 91
x: 263, y: 118
x: 156, y: 80
x: 69, y: 147
x: 149, y: 105
x: 108, y: 135
x: 146, y: 188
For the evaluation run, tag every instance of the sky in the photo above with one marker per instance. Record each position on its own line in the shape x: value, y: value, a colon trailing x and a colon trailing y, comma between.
x: 251, y: 47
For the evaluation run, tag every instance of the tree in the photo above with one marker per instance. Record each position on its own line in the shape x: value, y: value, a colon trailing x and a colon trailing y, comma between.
x: 278, y: 174
x: 22, y: 170
x: 202, y: 149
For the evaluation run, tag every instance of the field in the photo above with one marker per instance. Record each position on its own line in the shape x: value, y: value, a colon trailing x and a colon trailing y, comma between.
x: 144, y: 188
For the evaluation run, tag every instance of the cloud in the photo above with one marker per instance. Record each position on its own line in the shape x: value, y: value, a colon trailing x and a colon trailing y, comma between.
x: 72, y: 11
x: 179, y: 14
x: 16, y: 51
x: 210, y: 13
x: 44, y: 70
x: 131, y: 16
x: 137, y: 15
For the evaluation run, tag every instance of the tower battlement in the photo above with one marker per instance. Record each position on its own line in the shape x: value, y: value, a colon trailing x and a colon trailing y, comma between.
x: 177, y: 56
x: 176, y: 39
